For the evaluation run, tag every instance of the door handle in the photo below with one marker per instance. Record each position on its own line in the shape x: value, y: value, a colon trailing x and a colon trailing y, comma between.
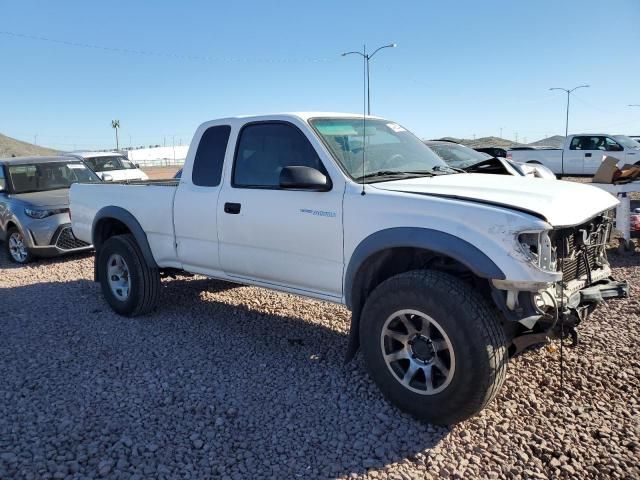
x: 587, y: 154
x: 232, y: 208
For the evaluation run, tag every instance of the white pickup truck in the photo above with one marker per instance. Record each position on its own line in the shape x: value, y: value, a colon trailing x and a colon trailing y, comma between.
x: 581, y: 154
x: 447, y: 274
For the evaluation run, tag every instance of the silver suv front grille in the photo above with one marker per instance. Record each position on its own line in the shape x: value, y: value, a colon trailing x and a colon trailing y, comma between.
x: 66, y: 240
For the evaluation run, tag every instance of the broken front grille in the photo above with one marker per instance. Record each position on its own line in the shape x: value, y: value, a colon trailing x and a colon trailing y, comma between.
x: 66, y: 240
x: 582, y: 249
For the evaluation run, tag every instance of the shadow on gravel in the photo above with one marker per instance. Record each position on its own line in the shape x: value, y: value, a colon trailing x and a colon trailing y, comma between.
x: 626, y: 259
x: 200, y: 385
x: 5, y: 263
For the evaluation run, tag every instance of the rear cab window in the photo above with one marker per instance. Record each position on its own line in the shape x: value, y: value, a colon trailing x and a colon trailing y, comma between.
x: 209, y: 159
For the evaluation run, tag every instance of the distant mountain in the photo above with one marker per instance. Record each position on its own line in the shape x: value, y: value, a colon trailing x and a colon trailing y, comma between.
x: 12, y: 147
x: 556, y: 141
x: 484, y: 142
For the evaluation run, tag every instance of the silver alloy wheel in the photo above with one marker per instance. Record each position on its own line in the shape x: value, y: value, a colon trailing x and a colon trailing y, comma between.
x: 17, y: 248
x: 118, y: 277
x: 418, y: 352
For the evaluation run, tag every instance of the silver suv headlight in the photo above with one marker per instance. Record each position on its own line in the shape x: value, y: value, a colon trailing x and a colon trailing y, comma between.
x: 537, y: 248
x: 41, y: 213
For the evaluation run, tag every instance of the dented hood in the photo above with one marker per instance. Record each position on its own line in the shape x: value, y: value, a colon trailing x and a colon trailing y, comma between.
x: 560, y: 203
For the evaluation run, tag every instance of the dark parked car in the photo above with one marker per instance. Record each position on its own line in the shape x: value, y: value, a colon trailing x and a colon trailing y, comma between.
x: 493, y: 151
x: 34, y: 206
x: 469, y: 160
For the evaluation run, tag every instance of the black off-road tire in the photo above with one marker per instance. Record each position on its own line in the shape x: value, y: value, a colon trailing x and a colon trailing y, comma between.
x: 144, y: 289
x: 475, y: 333
x: 27, y: 259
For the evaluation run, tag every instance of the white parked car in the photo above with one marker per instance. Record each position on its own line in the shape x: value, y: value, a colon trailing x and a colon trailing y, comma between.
x: 111, y: 166
x: 446, y: 274
x: 581, y: 154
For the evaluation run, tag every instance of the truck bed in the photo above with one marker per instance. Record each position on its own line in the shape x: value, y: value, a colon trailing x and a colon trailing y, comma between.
x: 150, y: 202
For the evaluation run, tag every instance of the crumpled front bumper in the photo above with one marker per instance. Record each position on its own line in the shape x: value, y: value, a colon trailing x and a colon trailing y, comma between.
x: 575, y: 298
x: 599, y: 292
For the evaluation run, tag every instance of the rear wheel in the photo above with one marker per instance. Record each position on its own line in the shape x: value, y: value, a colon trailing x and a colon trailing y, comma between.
x: 130, y: 286
x: 16, y: 247
x: 433, y: 345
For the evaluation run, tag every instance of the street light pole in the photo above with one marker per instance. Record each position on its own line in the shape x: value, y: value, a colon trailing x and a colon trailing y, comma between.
x: 568, y: 90
x: 367, y: 58
x: 115, y: 124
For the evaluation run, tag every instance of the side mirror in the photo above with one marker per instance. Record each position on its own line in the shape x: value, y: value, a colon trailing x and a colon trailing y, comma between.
x: 107, y: 178
x: 304, y: 178
x: 3, y: 185
x: 137, y: 165
x: 616, y: 148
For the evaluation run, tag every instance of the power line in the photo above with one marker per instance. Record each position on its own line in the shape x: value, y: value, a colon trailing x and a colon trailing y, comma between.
x: 177, y: 56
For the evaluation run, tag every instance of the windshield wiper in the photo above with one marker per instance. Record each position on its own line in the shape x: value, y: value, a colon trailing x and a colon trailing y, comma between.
x: 442, y: 168
x: 394, y: 174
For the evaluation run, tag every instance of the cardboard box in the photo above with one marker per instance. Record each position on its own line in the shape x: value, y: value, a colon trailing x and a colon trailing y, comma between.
x: 607, y: 170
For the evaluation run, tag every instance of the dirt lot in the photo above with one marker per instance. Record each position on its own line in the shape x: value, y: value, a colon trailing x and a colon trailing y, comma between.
x: 240, y: 382
x: 160, y: 173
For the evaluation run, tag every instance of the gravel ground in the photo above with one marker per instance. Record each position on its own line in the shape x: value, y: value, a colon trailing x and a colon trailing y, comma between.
x: 239, y: 382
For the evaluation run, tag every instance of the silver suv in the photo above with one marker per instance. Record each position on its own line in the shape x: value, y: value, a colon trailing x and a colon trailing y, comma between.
x: 34, y: 206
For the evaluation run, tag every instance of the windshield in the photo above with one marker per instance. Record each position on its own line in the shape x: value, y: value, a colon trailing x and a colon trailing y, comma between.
x: 105, y: 164
x: 627, y: 142
x: 40, y: 177
x: 389, y: 148
x: 458, y: 156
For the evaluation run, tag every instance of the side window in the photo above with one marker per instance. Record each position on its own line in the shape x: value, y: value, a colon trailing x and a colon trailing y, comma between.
x: 3, y: 182
x: 207, y: 164
x: 611, y: 145
x: 577, y: 143
x: 264, y: 149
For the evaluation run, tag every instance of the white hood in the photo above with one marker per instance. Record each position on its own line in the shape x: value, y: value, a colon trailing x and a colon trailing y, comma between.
x: 560, y: 203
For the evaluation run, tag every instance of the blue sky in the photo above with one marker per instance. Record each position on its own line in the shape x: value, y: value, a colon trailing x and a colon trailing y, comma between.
x: 462, y: 68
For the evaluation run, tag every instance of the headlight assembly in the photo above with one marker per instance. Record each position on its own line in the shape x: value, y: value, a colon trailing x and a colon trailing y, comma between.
x: 536, y: 247
x: 44, y: 213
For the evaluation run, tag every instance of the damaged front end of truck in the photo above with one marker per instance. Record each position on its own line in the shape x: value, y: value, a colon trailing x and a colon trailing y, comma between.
x: 578, y: 257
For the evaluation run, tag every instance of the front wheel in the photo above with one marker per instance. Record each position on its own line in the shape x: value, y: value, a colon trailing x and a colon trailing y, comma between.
x: 16, y: 247
x: 130, y: 286
x: 433, y: 346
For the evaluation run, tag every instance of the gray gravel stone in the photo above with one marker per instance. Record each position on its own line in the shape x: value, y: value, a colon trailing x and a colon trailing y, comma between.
x: 209, y: 387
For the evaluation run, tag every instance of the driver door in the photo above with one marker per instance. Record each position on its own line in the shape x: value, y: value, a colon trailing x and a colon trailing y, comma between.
x: 275, y: 236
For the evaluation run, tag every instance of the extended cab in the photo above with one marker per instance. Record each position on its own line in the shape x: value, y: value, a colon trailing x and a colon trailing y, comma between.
x: 581, y: 154
x: 447, y: 274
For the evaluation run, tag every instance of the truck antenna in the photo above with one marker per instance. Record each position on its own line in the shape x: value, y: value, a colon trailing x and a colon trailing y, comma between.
x: 364, y: 110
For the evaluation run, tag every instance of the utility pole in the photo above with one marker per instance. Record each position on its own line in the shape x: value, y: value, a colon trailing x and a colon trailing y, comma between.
x: 35, y: 139
x: 516, y: 137
x: 115, y: 124
x: 568, y: 91
x: 500, y: 132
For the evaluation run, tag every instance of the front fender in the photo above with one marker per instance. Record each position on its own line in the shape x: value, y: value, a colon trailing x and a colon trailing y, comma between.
x: 425, y: 238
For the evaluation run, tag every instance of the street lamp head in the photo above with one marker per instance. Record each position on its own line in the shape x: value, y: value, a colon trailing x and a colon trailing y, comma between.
x: 393, y: 45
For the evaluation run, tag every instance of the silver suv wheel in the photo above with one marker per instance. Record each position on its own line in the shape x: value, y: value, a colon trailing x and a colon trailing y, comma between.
x: 418, y: 352
x: 17, y: 248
